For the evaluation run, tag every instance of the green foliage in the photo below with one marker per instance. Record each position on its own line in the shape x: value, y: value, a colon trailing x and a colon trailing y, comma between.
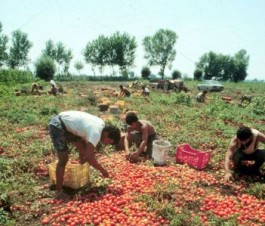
x: 218, y: 221
x: 176, y: 74
x: 184, y: 219
x: 22, y: 116
x: 15, y: 76
x: 258, y: 106
x: 257, y: 190
x: 79, y: 66
x: 48, y: 111
x: 181, y: 98
x: 197, y: 74
x: 45, y: 68
x: 59, y: 54
x: 145, y: 72
x: 5, y: 218
x: 118, y: 49
x: 4, y: 91
x: 91, y: 98
x: 159, y: 49
x: 223, y: 67
x: 174, y: 99
x: 19, y: 50
x: 3, y: 47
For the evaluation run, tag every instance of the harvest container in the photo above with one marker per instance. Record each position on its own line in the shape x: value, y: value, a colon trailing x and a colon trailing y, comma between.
x: 75, y: 175
x: 192, y: 157
x: 160, y: 151
x: 120, y: 103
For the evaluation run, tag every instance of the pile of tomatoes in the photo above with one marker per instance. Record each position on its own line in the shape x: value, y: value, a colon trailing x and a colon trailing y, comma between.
x: 119, y: 204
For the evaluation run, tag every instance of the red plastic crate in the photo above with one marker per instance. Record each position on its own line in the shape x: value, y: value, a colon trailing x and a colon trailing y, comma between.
x: 192, y: 157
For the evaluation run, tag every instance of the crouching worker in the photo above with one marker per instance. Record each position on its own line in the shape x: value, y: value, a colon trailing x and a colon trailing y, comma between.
x: 35, y: 88
x: 244, y: 146
x: 141, y: 133
x: 54, y: 91
x: 84, y: 131
x: 201, y: 96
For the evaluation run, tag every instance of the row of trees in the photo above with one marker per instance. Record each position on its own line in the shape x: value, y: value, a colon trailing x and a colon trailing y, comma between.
x: 18, y: 52
x: 222, y: 67
x: 118, y: 50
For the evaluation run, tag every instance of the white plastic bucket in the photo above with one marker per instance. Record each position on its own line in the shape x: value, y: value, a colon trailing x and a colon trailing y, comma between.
x: 160, y: 151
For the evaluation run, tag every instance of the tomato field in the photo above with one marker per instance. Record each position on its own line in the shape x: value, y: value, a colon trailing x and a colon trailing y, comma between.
x: 136, y: 193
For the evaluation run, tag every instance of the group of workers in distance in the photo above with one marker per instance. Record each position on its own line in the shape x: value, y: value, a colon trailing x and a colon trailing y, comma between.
x: 85, y: 131
x: 36, y: 88
x: 124, y: 92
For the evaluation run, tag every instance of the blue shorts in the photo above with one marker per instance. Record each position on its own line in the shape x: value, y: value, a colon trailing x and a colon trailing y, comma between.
x: 60, y: 136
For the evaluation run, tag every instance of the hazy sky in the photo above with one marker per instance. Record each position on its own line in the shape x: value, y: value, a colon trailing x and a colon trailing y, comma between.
x: 221, y: 26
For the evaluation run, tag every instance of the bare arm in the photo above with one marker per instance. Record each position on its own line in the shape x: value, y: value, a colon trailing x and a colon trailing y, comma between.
x: 144, y: 131
x: 126, y: 141
x: 144, y: 140
x: 89, y: 156
x: 261, y: 137
x: 228, y: 158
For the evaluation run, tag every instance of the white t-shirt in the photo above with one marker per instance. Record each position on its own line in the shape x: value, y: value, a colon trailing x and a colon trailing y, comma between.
x: 52, y: 83
x: 84, y: 125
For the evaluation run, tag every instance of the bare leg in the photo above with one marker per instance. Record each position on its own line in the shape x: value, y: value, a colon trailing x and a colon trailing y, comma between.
x: 62, y: 161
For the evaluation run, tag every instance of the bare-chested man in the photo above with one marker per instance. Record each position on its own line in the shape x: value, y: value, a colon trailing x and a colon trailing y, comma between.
x: 139, y: 132
x: 244, y: 146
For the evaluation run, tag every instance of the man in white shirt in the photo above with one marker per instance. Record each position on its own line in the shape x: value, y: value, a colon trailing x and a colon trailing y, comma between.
x: 52, y: 83
x: 244, y: 146
x: 84, y: 131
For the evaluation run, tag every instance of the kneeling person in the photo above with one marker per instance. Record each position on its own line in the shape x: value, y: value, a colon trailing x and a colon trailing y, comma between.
x: 244, y: 146
x: 141, y: 133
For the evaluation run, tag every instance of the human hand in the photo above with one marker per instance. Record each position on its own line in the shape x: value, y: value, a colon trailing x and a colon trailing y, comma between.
x: 134, y: 157
x: 128, y: 156
x: 104, y: 173
x: 82, y: 161
x: 228, y: 177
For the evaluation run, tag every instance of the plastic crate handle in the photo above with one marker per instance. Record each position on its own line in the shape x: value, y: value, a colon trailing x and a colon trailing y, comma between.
x: 191, y: 153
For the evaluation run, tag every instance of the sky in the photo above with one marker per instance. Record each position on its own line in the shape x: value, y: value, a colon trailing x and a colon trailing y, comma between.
x: 221, y: 26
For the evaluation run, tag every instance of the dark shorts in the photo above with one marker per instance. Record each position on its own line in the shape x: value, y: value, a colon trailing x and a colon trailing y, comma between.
x: 258, y: 157
x: 60, y: 136
x: 136, y: 138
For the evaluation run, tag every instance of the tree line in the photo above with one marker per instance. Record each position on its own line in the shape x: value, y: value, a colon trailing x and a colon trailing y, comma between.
x: 118, y: 51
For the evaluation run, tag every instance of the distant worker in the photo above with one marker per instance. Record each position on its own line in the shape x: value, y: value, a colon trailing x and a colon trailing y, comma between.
x: 52, y: 83
x: 35, y: 88
x: 54, y: 91
x: 124, y: 92
x: 201, y: 96
x: 145, y: 91
x: 246, y: 98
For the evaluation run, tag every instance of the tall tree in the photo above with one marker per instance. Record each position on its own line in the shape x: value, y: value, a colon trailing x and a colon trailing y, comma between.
x: 97, y: 52
x: 159, y: 49
x: 176, y: 74
x: 145, y: 72
x: 60, y: 54
x: 49, y: 50
x: 122, y: 49
x: 45, y: 68
x: 241, y: 60
x: 3, y: 47
x: 223, y: 67
x: 19, y: 50
x: 79, y: 66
